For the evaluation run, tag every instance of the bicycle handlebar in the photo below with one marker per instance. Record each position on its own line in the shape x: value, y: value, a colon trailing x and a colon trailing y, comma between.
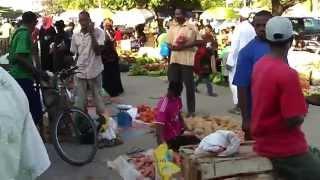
x: 65, y: 73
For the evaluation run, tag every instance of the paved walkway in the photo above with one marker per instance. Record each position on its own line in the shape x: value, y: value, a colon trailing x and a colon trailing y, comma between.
x: 146, y: 90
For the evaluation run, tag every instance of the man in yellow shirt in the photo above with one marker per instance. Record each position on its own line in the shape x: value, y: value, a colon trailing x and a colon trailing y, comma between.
x: 183, y: 39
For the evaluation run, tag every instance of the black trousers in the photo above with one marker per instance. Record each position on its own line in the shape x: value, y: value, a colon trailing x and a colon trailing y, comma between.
x: 299, y: 167
x: 184, y: 74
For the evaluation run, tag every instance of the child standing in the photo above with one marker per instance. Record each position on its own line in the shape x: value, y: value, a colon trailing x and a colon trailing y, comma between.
x: 205, y: 61
x: 169, y: 121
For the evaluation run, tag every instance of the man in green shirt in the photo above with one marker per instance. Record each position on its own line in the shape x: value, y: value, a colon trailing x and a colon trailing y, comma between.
x: 21, y: 64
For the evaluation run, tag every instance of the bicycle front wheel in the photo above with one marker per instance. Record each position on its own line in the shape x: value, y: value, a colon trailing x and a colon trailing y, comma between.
x: 75, y: 137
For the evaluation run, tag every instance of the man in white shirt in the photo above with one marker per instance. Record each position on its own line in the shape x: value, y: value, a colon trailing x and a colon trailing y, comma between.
x: 243, y: 34
x: 86, y: 44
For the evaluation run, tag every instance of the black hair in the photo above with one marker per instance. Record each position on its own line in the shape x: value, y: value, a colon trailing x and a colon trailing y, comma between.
x: 29, y: 17
x: 71, y: 24
x: 85, y: 13
x: 208, y: 26
x: 263, y: 13
x: 59, y: 24
x: 175, y: 88
x: 183, y: 10
x: 280, y: 43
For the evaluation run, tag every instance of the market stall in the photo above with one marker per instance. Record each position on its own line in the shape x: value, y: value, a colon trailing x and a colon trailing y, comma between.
x: 237, y: 160
x: 193, y: 162
x: 308, y: 66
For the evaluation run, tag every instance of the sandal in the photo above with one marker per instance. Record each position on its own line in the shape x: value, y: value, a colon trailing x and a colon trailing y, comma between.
x: 109, y: 143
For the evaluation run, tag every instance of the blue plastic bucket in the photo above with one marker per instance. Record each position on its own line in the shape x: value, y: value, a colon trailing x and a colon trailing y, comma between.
x: 124, y: 120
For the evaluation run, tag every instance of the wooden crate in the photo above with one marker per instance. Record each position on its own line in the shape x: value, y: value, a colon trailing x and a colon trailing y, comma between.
x: 246, y: 164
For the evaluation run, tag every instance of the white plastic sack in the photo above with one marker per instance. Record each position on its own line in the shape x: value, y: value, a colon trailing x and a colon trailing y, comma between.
x: 133, y: 112
x: 111, y: 132
x: 4, y: 59
x: 224, y: 143
x: 22, y: 152
x: 125, y: 169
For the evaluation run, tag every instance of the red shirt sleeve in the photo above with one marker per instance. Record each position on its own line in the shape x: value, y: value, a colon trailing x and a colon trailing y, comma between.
x: 292, y: 101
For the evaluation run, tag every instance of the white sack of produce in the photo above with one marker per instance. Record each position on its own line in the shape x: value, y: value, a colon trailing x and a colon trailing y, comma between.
x: 315, y: 78
x: 150, y: 52
x: 124, y: 168
x: 224, y: 143
x: 109, y: 132
x: 297, y: 59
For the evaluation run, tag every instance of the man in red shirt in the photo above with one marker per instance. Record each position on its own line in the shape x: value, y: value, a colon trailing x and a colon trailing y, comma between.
x: 279, y: 109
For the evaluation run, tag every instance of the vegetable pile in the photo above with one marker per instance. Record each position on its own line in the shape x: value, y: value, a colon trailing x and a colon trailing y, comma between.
x: 203, y: 126
x: 146, y: 114
x: 144, y: 164
x: 310, y: 79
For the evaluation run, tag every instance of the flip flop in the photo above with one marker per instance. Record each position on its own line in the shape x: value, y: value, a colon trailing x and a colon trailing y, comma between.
x: 103, y: 143
x: 135, y: 150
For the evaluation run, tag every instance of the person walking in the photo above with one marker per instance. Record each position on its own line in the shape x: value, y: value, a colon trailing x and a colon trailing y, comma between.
x: 86, y: 45
x: 183, y: 38
x: 111, y: 73
x: 279, y: 108
x: 46, y: 37
x: 248, y: 56
x: 243, y: 34
x: 205, y: 61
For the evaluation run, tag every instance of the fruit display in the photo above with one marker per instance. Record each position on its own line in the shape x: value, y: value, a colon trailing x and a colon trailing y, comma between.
x: 309, y: 75
x: 203, y: 126
x: 127, y: 56
x: 138, y: 70
x: 154, y: 69
x: 146, y: 114
x: 144, y: 164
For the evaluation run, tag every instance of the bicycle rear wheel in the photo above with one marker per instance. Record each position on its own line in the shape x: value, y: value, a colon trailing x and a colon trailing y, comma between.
x: 75, y: 137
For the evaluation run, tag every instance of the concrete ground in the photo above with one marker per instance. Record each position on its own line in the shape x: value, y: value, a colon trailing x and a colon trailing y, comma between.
x: 146, y: 90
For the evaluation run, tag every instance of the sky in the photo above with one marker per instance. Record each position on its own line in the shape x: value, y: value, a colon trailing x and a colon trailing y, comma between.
x: 25, y: 5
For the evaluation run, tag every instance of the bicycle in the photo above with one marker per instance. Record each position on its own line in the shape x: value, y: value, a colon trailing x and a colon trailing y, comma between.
x: 73, y: 131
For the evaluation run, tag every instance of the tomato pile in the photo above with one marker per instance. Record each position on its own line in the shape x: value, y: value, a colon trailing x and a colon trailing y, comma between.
x: 146, y: 113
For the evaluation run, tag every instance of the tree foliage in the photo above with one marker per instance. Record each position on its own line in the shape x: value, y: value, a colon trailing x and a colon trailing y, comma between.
x: 7, y: 12
x: 54, y: 6
x: 279, y: 6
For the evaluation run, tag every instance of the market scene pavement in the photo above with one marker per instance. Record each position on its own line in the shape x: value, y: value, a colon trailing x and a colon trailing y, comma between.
x: 146, y: 90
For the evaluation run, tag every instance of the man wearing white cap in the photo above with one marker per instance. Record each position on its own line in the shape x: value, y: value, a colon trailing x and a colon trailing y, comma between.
x: 279, y: 108
x: 243, y: 34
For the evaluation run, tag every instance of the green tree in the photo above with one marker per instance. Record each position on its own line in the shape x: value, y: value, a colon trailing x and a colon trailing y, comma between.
x: 279, y: 6
x: 7, y: 12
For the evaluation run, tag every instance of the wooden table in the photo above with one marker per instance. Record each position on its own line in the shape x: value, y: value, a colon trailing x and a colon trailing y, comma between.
x: 245, y: 165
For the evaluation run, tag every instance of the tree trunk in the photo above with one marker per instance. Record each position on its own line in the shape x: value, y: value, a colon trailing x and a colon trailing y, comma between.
x: 315, y: 6
x: 277, y: 8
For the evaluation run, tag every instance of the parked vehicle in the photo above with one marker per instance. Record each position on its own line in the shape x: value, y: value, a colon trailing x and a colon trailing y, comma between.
x: 307, y: 28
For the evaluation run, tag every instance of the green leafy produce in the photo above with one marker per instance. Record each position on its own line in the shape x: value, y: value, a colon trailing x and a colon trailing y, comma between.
x: 137, y: 70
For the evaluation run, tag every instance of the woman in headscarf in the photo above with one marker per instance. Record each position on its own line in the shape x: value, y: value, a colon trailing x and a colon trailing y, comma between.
x: 46, y: 37
x: 111, y: 74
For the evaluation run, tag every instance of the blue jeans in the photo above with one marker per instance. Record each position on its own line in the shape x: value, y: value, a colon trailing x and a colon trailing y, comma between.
x: 34, y: 99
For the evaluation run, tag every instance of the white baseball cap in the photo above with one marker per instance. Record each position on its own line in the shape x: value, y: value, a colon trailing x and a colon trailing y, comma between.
x: 245, y: 12
x: 279, y: 29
